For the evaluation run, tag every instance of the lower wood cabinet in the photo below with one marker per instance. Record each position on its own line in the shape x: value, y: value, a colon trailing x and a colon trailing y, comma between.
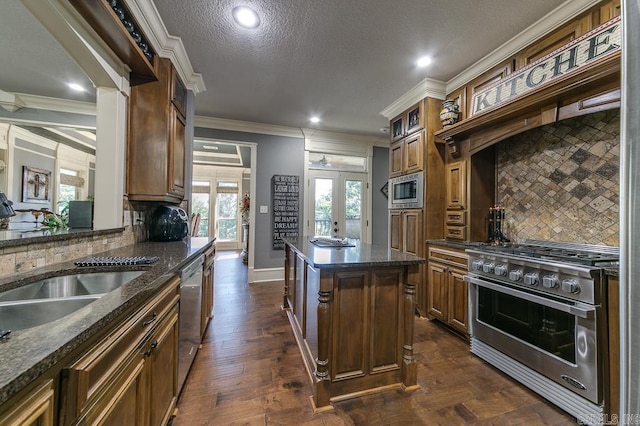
x: 130, y: 376
x: 447, y: 292
x: 207, y: 290
x: 36, y: 409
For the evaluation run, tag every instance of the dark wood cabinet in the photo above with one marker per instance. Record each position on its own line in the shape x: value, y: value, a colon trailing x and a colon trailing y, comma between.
x: 407, y: 123
x: 406, y: 236
x: 157, y: 137
x: 448, y: 299
x: 207, y: 290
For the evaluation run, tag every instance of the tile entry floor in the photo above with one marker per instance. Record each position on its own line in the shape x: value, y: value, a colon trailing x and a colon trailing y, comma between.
x: 249, y: 371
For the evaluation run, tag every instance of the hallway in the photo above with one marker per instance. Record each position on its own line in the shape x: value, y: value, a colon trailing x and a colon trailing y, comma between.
x: 249, y: 371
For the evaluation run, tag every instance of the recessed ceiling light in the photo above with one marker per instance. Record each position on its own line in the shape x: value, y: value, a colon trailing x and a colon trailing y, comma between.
x: 424, y: 61
x: 246, y: 17
x: 75, y: 87
x: 314, y: 119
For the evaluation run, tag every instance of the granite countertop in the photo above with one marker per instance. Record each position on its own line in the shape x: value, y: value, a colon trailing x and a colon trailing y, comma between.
x: 359, y: 255
x: 17, y: 237
x: 27, y: 354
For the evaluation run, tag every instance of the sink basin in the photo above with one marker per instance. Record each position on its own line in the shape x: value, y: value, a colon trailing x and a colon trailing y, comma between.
x: 26, y: 314
x: 70, y: 286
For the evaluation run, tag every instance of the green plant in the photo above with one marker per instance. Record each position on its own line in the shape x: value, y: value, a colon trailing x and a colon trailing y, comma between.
x: 58, y: 220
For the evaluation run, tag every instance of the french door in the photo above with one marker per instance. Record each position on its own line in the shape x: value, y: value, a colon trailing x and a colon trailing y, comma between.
x: 337, y: 204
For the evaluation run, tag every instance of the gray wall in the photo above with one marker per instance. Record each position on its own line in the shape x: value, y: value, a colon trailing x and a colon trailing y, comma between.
x: 380, y: 213
x: 276, y: 155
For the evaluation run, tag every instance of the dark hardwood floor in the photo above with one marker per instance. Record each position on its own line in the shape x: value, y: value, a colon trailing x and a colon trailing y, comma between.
x: 249, y: 371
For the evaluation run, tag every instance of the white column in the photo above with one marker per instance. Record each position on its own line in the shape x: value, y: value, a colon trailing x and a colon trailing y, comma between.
x: 111, y: 137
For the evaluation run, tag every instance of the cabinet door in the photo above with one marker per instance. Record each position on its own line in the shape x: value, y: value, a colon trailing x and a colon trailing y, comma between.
x: 162, y: 351
x: 124, y: 404
x: 458, y: 301
x: 397, y: 128
x: 34, y: 410
x: 413, y: 154
x: 437, y: 290
x: 413, y: 241
x: 395, y: 230
x: 415, y: 118
x: 207, y: 294
x: 456, y: 185
x: 396, y: 159
x: 176, y: 153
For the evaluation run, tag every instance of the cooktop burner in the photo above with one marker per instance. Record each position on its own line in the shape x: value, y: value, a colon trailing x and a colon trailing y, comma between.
x: 583, y: 254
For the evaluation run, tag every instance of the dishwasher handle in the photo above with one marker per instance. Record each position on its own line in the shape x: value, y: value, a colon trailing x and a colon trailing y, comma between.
x: 192, y: 268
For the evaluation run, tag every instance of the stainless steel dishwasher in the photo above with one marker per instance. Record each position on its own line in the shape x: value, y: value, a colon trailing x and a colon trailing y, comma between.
x: 189, y: 316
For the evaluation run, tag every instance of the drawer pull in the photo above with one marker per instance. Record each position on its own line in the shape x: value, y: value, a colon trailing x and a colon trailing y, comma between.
x: 151, y: 348
x: 154, y: 316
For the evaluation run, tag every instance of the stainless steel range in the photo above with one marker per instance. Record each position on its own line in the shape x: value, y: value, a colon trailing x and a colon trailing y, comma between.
x: 536, y: 313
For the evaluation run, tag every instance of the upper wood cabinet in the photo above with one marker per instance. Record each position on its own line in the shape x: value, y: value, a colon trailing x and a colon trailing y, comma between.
x: 553, y: 41
x: 410, y: 121
x: 456, y: 185
x: 606, y: 12
x: 157, y: 136
x: 407, y: 155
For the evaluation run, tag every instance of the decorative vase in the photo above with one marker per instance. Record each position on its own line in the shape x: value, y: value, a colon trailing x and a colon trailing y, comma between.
x: 450, y: 114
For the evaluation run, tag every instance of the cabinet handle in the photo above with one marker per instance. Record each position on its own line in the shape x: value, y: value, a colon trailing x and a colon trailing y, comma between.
x: 149, y: 351
x: 154, y: 316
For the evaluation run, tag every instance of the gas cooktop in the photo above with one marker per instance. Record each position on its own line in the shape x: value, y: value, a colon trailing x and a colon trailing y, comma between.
x: 584, y: 254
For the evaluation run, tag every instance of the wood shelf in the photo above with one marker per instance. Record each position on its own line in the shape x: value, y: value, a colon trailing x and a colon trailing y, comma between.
x: 102, y: 18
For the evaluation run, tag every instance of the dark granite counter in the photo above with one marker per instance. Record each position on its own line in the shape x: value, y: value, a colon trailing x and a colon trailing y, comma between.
x: 11, y: 238
x: 27, y: 354
x: 360, y: 255
x: 458, y: 245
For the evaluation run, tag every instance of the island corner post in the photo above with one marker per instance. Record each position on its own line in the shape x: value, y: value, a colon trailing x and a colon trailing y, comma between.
x: 353, y: 321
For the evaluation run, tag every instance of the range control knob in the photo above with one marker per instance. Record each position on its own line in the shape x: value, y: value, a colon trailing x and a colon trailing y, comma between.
x: 570, y: 286
x: 550, y: 281
x: 515, y: 275
x: 476, y: 265
x: 531, y: 278
x: 500, y: 270
x: 488, y: 267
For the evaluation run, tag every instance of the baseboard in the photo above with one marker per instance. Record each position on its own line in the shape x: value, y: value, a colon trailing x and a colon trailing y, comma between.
x: 267, y: 274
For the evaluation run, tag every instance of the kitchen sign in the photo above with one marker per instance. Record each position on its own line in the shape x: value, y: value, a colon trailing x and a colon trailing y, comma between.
x: 594, y: 46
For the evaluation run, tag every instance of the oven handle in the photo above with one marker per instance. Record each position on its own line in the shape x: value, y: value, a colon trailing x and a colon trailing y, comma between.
x: 579, y: 311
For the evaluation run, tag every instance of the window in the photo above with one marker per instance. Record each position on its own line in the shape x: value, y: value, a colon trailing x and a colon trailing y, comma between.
x: 68, y: 189
x: 201, y: 204
x: 227, y: 211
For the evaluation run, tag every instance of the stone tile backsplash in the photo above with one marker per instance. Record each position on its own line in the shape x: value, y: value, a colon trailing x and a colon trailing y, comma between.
x: 560, y: 182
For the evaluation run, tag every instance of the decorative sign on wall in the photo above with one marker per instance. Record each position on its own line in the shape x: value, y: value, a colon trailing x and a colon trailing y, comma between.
x: 592, y: 47
x: 285, y: 198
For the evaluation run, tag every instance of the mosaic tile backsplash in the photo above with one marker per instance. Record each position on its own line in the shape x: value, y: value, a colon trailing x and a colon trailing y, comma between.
x: 560, y: 182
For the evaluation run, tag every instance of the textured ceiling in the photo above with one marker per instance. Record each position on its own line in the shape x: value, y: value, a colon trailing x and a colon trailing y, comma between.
x: 344, y: 60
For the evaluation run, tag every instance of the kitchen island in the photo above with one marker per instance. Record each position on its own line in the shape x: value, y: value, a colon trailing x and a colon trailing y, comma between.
x: 352, y: 311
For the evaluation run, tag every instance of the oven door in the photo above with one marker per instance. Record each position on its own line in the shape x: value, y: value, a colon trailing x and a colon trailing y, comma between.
x: 558, y: 339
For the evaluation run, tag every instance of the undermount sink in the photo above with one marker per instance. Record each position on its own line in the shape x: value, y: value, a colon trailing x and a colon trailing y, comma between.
x: 70, y: 286
x: 21, y: 315
x: 47, y: 300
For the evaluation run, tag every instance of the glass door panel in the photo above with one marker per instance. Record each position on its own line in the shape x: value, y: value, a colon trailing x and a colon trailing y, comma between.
x: 200, y: 204
x: 353, y: 195
x: 323, y: 206
x: 227, y: 216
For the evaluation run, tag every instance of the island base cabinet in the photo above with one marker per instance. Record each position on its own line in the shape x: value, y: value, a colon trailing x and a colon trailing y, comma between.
x: 354, y: 327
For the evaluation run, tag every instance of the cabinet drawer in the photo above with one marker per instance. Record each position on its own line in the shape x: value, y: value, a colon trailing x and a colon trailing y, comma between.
x: 456, y: 232
x: 88, y: 377
x: 455, y: 218
x: 449, y: 257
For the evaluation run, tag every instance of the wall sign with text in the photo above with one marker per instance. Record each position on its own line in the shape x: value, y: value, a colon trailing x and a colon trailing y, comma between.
x: 285, y: 199
x: 594, y: 46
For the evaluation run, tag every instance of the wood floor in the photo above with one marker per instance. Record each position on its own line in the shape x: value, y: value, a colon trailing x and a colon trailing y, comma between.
x: 249, y: 371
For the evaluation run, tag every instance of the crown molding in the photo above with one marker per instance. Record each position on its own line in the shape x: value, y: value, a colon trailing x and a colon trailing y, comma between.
x: 247, y: 127
x: 551, y: 21
x: 426, y: 88
x: 166, y: 45
x: 56, y: 104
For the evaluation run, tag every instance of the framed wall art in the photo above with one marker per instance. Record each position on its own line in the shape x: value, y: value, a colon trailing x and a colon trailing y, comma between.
x: 36, y: 185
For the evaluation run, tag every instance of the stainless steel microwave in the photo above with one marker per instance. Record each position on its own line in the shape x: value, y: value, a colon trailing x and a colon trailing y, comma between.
x: 406, y: 192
